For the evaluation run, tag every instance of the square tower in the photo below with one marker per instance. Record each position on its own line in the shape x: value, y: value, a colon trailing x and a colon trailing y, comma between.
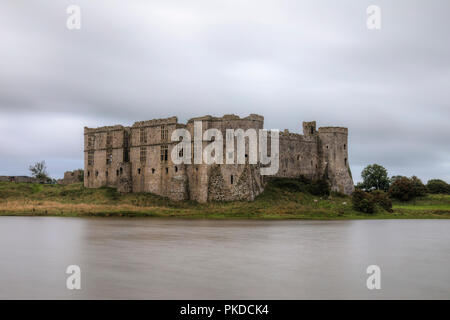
x: 309, y: 128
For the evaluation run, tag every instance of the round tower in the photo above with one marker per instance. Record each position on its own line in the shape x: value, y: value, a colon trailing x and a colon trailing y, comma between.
x: 334, y: 149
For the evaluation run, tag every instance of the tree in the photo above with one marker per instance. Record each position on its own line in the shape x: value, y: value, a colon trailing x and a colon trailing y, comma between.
x: 375, y: 177
x: 39, y: 171
x: 438, y: 186
x: 405, y: 189
x: 419, y: 188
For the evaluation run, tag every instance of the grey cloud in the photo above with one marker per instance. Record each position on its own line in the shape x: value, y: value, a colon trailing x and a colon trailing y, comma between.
x: 287, y: 60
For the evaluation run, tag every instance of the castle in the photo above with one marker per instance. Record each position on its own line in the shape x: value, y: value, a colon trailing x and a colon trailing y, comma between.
x: 137, y: 159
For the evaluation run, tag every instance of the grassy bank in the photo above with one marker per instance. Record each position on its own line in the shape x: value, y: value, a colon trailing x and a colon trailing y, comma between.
x: 274, y: 203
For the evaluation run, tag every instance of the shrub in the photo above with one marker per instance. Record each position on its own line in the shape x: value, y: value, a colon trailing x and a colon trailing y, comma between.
x: 319, y: 187
x: 382, y: 199
x: 438, y: 186
x: 303, y: 184
x: 405, y: 189
x: 363, y: 201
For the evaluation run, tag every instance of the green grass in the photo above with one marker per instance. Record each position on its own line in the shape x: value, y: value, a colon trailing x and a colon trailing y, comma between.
x: 430, y: 204
x: 278, y: 201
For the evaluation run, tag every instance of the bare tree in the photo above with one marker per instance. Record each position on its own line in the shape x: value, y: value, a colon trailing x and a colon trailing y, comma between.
x: 39, y: 171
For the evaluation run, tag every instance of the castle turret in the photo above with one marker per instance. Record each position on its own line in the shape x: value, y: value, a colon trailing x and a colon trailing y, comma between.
x: 309, y: 128
x: 334, y: 149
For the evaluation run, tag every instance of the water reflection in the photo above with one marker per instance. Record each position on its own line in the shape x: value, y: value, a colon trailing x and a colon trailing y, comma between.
x: 206, y: 259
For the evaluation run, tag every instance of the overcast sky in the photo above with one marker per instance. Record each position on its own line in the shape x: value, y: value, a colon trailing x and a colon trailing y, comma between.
x: 290, y: 61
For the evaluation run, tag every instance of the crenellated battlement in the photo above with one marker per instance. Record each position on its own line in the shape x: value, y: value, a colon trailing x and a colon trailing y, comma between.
x: 341, y: 130
x: 103, y: 129
x: 156, y: 122
x: 228, y: 117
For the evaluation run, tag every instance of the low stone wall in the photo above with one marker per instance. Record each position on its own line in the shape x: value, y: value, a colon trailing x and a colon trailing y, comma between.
x: 18, y: 179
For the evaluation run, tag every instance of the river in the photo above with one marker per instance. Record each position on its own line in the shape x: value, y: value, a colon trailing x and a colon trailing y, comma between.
x: 123, y: 258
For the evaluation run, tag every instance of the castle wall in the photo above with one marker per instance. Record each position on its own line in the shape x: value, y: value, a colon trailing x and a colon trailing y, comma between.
x: 299, y: 155
x: 133, y: 159
x: 105, y: 145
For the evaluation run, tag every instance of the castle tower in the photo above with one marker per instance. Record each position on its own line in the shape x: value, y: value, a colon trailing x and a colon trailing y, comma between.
x: 334, y: 149
x: 309, y: 128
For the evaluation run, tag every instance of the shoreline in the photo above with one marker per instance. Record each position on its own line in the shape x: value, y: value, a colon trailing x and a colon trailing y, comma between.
x: 275, y: 203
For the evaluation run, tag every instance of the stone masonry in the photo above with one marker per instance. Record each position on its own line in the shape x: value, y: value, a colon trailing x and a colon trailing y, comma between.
x: 137, y: 159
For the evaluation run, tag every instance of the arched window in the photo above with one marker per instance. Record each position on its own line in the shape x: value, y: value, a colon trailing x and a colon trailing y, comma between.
x: 153, y: 170
x: 231, y: 179
x: 176, y: 169
x: 139, y: 170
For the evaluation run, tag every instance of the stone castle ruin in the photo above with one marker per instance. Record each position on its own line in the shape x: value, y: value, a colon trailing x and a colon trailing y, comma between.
x: 137, y: 159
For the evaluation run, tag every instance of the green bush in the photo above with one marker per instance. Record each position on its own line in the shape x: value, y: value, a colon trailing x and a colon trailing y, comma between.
x: 303, y: 184
x: 382, y: 199
x: 436, y: 186
x: 319, y: 187
x: 405, y: 189
x: 363, y: 201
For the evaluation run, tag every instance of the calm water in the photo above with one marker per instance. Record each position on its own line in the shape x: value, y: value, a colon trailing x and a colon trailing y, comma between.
x: 177, y: 259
